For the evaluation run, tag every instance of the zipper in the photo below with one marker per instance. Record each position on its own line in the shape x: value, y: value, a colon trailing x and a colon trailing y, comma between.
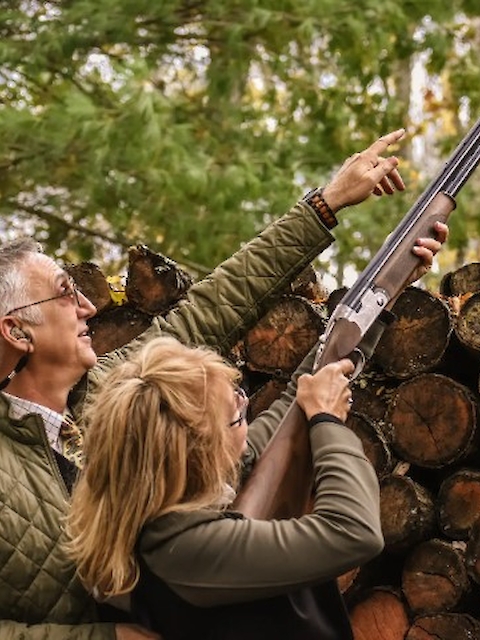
x: 53, y: 463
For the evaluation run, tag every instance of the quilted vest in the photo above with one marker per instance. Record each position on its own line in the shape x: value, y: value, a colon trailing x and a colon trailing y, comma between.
x: 37, y: 581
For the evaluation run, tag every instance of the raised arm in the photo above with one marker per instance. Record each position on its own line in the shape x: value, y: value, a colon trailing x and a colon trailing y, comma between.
x: 220, y: 308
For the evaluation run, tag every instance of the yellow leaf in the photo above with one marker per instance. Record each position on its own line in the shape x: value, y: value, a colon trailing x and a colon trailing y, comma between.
x: 117, y: 290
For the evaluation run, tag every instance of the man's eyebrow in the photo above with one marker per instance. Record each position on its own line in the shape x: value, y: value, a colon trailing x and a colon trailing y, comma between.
x: 60, y: 275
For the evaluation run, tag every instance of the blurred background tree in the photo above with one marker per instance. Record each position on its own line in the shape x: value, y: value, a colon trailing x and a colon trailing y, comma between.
x: 187, y: 125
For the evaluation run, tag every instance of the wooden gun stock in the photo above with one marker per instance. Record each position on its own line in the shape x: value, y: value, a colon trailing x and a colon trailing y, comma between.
x: 280, y: 484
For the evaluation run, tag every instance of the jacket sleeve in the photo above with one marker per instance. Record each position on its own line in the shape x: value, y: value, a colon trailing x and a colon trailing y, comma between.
x: 235, y: 560
x: 219, y: 308
x: 10, y: 630
x: 232, y: 298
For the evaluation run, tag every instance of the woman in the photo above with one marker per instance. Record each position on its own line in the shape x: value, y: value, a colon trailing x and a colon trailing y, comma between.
x: 166, y: 433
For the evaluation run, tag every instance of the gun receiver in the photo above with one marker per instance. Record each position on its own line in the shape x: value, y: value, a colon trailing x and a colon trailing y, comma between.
x: 280, y: 483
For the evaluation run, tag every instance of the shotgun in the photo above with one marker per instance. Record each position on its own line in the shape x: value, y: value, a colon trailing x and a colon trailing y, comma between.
x: 280, y: 484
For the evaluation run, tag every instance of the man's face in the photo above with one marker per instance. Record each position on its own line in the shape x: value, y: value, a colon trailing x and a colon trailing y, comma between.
x: 62, y: 339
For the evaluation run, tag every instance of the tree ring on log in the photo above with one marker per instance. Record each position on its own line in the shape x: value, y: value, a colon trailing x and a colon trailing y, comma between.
x: 432, y: 420
x: 284, y: 336
x: 459, y: 503
x: 417, y: 339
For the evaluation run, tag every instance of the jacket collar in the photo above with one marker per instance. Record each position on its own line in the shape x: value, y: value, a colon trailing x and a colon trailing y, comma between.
x: 29, y: 429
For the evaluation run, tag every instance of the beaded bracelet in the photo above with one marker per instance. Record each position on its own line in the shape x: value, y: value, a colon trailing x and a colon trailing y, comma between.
x: 315, y: 199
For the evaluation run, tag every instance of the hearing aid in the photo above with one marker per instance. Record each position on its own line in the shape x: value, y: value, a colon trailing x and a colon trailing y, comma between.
x: 19, y: 334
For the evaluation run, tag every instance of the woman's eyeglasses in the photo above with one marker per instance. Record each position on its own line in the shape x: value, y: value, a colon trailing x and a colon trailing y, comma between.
x: 241, y: 400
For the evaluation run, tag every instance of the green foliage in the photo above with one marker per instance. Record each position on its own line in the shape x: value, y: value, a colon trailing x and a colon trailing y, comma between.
x: 187, y: 125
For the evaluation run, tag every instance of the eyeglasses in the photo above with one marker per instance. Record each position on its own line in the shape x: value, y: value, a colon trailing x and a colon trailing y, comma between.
x: 241, y: 400
x: 71, y: 291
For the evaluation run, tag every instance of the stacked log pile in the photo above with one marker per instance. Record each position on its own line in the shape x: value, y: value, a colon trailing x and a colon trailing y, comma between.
x: 416, y: 410
x: 421, y: 395
x: 154, y: 284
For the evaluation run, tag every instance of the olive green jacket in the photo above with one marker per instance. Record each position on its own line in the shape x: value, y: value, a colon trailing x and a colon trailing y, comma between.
x: 40, y: 597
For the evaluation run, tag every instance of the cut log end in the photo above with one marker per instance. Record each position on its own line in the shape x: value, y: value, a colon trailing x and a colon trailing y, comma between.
x: 433, y: 420
x: 434, y: 577
x: 155, y: 282
x: 284, y: 336
x: 416, y: 341
x: 380, y: 615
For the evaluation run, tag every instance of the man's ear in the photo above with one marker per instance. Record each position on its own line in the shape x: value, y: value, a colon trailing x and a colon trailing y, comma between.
x: 12, y: 333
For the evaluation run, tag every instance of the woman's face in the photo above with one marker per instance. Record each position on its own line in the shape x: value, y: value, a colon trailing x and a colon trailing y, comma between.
x: 238, y: 425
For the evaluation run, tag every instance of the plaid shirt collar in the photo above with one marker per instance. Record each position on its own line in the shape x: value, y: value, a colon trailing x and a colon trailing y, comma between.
x: 51, y: 419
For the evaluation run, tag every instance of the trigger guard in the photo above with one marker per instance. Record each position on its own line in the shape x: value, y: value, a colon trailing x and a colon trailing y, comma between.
x: 358, y: 359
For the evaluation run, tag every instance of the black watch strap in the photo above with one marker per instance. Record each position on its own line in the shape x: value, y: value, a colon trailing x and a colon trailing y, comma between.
x: 324, y: 417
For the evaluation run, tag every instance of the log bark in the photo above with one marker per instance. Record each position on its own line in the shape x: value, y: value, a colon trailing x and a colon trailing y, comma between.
x: 115, y: 327
x: 417, y: 339
x: 92, y: 283
x: 308, y: 284
x: 407, y: 512
x: 373, y: 441
x: 154, y: 283
x: 334, y: 298
x: 472, y: 552
x: 434, y: 577
x: 372, y: 392
x: 444, y: 626
x: 461, y: 363
x: 458, y: 503
x: 467, y: 327
x: 263, y: 397
x: 380, y: 615
x: 465, y: 279
x: 433, y: 421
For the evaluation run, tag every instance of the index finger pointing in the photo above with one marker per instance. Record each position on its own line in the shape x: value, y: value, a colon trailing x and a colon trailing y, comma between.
x: 382, y: 144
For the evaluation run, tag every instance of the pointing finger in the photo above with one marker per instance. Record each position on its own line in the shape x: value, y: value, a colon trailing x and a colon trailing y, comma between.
x: 382, y: 144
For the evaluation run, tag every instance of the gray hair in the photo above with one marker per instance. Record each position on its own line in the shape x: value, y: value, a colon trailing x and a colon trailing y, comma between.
x: 14, y: 285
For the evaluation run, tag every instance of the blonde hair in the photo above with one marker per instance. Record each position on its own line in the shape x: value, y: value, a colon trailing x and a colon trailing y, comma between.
x: 156, y: 442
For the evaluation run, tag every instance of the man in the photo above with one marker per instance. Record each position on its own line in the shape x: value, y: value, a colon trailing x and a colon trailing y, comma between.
x: 45, y: 351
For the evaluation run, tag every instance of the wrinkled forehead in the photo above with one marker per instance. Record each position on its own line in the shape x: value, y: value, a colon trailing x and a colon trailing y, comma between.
x: 42, y: 272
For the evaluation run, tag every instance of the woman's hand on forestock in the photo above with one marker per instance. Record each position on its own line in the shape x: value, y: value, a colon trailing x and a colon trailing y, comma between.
x: 427, y: 248
x: 365, y: 173
x: 327, y: 390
